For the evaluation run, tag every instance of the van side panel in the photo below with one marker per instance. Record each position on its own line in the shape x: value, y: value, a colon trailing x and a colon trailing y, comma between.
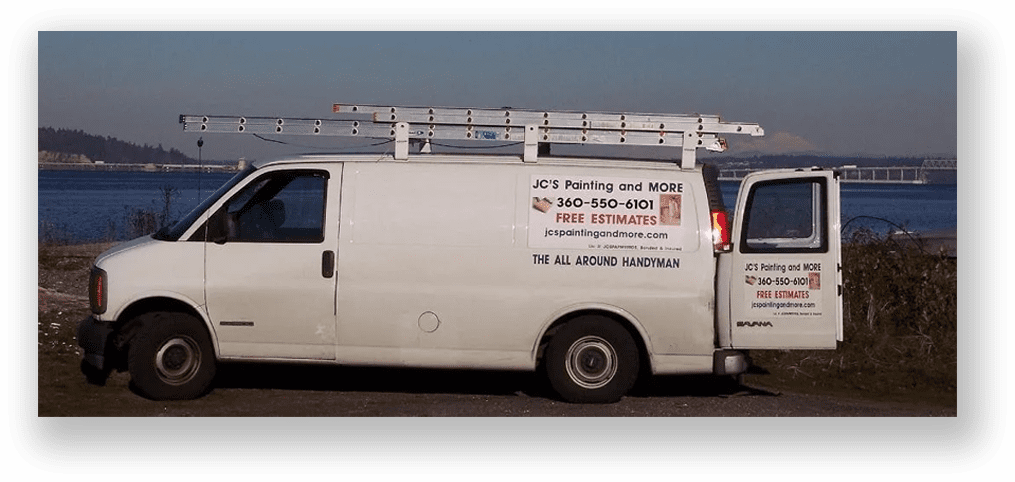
x: 435, y: 266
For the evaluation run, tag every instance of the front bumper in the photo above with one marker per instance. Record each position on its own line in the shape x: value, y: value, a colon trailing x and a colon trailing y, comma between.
x: 94, y: 337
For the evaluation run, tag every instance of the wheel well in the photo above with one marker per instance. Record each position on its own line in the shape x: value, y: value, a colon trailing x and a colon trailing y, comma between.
x: 622, y: 321
x: 127, y: 325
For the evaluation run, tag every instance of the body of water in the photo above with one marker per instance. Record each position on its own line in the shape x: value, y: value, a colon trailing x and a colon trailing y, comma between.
x: 83, y: 206
x: 86, y: 206
x: 919, y: 208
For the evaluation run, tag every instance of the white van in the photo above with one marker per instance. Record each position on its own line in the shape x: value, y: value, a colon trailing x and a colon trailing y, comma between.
x: 592, y: 271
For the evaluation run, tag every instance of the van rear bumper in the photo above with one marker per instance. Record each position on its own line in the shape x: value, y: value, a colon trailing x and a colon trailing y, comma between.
x: 93, y: 337
x: 729, y: 362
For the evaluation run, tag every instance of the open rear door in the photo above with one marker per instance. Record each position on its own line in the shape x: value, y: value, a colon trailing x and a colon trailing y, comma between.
x: 785, y: 283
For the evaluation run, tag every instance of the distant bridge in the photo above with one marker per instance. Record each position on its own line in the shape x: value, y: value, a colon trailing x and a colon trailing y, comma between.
x: 874, y: 175
x: 97, y: 166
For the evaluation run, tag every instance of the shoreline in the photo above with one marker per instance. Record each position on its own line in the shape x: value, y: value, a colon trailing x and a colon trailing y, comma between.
x: 940, y: 241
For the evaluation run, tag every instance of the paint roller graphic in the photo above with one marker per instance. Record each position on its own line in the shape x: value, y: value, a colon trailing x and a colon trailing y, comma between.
x: 541, y: 204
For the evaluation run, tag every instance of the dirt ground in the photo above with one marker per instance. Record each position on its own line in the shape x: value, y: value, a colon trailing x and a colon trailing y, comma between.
x: 271, y: 390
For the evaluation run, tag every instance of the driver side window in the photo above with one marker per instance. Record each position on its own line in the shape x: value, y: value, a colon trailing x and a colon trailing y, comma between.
x: 279, y: 207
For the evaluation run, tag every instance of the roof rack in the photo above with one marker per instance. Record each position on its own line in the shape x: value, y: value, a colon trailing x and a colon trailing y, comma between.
x: 530, y: 127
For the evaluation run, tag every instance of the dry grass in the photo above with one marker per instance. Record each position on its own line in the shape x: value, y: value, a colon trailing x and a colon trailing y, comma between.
x: 900, y: 323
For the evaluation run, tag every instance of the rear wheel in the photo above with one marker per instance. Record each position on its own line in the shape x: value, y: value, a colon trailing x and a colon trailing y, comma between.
x: 592, y: 359
x: 171, y: 358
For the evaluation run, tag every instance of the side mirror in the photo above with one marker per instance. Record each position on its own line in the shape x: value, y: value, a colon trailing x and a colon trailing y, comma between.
x: 221, y: 227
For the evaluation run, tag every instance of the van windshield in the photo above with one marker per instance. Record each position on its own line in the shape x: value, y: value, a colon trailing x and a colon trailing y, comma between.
x: 174, y: 231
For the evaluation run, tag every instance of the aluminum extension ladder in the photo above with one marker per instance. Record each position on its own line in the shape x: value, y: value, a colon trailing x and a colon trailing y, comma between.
x: 530, y: 127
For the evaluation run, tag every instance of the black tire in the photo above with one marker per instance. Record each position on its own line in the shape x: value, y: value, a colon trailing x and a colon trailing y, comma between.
x: 171, y: 358
x: 592, y: 359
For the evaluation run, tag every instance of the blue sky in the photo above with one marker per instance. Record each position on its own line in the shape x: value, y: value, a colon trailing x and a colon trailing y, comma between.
x: 836, y: 93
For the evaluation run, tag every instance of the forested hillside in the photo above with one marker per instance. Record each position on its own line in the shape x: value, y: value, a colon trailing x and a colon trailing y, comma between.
x: 106, y: 149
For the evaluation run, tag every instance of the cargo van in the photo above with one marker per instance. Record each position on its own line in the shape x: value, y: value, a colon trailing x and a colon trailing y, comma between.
x: 591, y: 271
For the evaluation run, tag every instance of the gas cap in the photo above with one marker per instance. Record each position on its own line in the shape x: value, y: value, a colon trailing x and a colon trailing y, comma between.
x: 429, y: 322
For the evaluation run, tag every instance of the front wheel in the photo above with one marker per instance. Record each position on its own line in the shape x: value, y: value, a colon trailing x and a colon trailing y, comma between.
x: 592, y: 360
x: 172, y: 358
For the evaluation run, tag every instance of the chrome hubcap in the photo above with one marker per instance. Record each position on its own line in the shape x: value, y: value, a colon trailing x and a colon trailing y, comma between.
x: 177, y: 361
x: 591, y: 362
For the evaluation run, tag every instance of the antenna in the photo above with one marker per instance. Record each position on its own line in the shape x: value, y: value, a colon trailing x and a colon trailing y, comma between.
x: 200, y: 167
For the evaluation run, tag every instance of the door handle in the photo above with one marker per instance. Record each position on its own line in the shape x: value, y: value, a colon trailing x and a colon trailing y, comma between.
x: 328, y: 264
